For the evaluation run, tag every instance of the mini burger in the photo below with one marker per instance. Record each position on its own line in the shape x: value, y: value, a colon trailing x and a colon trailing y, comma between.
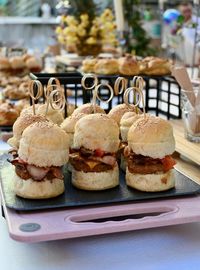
x: 68, y: 125
x: 88, y: 108
x: 43, y: 150
x: 127, y: 120
x: 150, y: 146
x: 96, y: 142
x: 118, y: 111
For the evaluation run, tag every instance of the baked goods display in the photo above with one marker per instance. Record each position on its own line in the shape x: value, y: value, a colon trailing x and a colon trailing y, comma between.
x: 150, y: 146
x: 96, y: 142
x: 43, y: 150
x: 155, y: 66
x: 127, y: 65
x: 14, y: 87
x: 106, y: 66
x: 19, y: 64
x: 88, y: 65
x: 8, y: 114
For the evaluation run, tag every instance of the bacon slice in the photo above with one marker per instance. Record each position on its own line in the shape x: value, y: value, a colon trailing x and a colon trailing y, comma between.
x: 37, y: 173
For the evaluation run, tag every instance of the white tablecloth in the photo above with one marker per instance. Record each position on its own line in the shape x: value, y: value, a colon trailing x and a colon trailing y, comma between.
x: 175, y: 247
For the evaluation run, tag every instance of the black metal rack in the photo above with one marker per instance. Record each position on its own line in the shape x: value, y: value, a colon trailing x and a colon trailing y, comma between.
x: 162, y: 93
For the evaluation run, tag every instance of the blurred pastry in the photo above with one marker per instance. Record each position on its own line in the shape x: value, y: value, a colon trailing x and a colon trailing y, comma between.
x: 3, y: 81
x: 33, y: 64
x: 128, y: 65
x: 17, y: 63
x: 88, y: 65
x: 107, y: 66
x: 8, y: 114
x: 26, y: 57
x: 4, y: 64
x: 14, y: 80
x: 155, y: 66
x: 13, y: 92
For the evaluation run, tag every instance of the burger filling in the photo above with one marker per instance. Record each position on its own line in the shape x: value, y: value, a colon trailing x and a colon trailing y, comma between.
x: 140, y: 164
x: 27, y: 171
x: 92, y: 161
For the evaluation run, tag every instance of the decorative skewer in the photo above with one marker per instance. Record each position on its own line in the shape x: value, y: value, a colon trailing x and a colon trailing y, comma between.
x: 120, y: 85
x: 134, y: 105
x: 139, y: 83
x: 95, y: 87
x: 35, y: 92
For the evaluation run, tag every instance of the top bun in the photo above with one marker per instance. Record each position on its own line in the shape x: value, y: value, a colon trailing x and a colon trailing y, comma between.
x: 44, y: 144
x: 22, y: 122
x: 152, y: 137
x: 68, y: 125
x: 97, y: 131
x: 53, y: 115
x: 88, y: 109
x: 118, y: 111
x: 127, y: 120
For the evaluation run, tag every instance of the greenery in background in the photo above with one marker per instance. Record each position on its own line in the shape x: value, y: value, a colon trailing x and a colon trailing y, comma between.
x: 84, y: 6
x: 136, y: 38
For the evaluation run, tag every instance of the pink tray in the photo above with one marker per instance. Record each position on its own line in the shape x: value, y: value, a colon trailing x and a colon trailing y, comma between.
x: 62, y: 224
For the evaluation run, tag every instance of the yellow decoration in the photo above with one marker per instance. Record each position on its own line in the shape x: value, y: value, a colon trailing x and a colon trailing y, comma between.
x: 82, y: 31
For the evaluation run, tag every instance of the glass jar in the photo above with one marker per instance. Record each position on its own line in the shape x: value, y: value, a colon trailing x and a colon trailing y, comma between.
x: 191, y: 114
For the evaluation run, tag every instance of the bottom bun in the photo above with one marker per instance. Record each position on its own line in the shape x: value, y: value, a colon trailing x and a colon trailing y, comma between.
x: 31, y: 189
x: 151, y: 182
x: 96, y: 180
x: 123, y: 163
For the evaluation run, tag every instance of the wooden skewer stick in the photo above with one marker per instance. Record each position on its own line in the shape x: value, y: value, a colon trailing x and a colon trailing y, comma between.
x: 182, y: 77
x: 120, y: 81
x: 35, y: 92
x: 141, y: 98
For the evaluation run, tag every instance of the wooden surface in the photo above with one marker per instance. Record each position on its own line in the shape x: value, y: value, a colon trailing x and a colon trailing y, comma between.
x: 183, y: 146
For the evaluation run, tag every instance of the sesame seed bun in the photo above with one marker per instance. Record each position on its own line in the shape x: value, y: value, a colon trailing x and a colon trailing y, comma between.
x: 44, y: 144
x: 22, y: 122
x: 151, y: 136
x: 96, y: 180
x: 151, y: 182
x: 31, y: 189
x: 97, y: 131
x: 88, y: 108
x: 118, y: 111
x: 68, y: 125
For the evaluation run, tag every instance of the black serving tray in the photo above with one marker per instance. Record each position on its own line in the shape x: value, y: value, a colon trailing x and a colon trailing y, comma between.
x: 75, y: 198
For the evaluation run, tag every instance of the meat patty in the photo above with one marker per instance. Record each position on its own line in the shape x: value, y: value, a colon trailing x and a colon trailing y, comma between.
x: 144, y: 168
x: 82, y: 164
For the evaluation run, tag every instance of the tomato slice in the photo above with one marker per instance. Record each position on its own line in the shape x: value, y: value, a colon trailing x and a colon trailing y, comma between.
x: 99, y: 153
x: 168, y: 163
